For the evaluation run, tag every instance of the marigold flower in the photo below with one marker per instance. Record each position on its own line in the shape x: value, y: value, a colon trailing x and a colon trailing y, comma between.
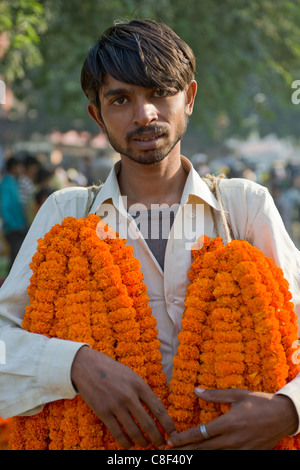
x: 238, y: 327
x: 78, y: 291
x: 246, y: 326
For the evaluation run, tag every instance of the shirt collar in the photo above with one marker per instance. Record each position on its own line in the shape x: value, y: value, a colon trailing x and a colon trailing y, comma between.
x: 110, y: 189
x: 195, y: 186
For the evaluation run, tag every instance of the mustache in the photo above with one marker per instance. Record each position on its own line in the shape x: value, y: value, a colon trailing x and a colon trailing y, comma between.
x: 144, y: 130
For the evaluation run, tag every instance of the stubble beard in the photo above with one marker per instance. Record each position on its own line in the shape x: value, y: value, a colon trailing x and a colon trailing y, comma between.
x: 150, y: 157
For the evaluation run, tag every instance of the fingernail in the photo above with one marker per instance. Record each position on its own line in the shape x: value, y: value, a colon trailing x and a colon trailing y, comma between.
x: 170, y: 443
x: 199, y: 390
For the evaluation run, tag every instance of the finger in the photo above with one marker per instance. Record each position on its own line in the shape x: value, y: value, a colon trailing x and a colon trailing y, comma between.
x: 116, y: 431
x: 192, y: 435
x: 189, y: 436
x: 148, y: 426
x: 159, y: 412
x: 214, y: 428
x: 132, y: 428
x: 221, y: 396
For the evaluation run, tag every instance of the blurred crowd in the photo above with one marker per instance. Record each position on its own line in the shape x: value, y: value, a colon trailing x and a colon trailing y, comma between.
x: 25, y: 184
x: 281, y: 177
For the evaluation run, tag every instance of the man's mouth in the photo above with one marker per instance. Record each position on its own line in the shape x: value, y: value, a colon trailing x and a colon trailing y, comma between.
x: 147, y: 133
x: 146, y: 139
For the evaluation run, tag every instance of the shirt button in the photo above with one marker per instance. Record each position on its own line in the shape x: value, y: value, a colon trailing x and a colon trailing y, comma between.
x: 171, y: 299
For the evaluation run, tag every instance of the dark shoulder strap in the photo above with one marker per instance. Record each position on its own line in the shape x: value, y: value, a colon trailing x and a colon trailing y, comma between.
x: 221, y: 218
x: 93, y: 192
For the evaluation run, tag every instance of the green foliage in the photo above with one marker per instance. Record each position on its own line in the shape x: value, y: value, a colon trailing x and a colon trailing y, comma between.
x: 24, y: 23
x: 245, y: 50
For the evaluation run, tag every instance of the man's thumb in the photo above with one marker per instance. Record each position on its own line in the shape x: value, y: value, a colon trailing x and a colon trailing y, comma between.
x: 219, y: 396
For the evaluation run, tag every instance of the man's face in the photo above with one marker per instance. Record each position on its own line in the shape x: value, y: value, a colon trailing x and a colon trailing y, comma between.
x: 143, y: 124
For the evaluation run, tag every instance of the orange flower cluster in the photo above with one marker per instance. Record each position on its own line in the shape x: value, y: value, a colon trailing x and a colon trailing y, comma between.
x: 87, y: 286
x: 5, y: 430
x: 238, y: 327
x: 238, y: 330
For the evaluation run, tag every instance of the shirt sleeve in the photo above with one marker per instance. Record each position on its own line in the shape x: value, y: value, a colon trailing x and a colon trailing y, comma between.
x: 254, y: 217
x: 34, y: 369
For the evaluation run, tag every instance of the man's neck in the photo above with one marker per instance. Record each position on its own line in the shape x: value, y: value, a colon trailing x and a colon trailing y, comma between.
x: 161, y: 183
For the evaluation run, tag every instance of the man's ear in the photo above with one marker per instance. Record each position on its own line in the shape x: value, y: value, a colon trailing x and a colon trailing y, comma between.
x: 190, y: 97
x: 95, y: 115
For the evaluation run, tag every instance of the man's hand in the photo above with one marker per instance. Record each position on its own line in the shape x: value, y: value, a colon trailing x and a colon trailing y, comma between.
x: 115, y: 393
x: 256, y: 421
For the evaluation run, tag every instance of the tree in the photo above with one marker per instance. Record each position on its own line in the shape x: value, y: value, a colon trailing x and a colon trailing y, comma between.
x: 23, y: 23
x: 247, y: 55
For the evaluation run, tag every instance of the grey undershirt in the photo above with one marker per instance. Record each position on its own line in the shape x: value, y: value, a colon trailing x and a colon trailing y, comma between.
x: 155, y: 225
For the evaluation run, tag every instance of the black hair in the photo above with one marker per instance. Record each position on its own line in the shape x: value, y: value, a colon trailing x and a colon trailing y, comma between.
x: 11, y: 163
x: 141, y: 52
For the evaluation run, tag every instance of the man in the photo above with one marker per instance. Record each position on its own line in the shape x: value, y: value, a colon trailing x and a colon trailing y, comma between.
x: 31, y: 166
x: 139, y: 79
x: 12, y: 213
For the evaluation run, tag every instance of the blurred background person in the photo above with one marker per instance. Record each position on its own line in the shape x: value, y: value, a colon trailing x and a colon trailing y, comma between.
x: 43, y: 186
x: 14, y: 224
x: 40, y: 197
x: 283, y: 205
x: 27, y: 180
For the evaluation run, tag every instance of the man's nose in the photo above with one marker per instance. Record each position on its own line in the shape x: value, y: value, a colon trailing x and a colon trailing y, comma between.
x: 144, y: 113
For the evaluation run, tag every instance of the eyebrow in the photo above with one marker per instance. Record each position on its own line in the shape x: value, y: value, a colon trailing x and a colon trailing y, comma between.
x: 115, y: 92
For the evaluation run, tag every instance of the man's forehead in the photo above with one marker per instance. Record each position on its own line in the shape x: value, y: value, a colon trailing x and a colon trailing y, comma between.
x: 111, y: 82
x: 108, y: 80
x: 111, y: 85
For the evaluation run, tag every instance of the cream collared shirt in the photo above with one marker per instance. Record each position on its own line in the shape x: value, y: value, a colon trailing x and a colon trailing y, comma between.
x: 35, y: 370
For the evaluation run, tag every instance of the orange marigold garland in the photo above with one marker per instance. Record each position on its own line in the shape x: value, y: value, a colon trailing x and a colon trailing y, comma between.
x: 132, y: 278
x: 238, y: 327
x: 239, y: 315
x: 77, y: 283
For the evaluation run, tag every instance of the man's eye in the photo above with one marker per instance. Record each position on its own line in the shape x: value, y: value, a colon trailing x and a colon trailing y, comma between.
x: 119, y: 101
x: 160, y: 93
